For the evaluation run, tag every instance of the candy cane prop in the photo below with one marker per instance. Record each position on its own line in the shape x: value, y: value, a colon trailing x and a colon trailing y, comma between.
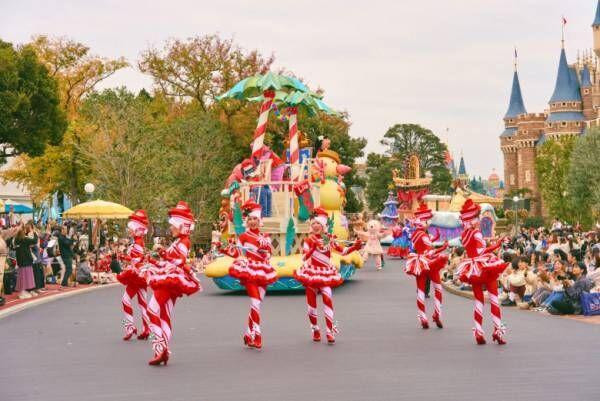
x: 261, y: 127
x: 294, y: 150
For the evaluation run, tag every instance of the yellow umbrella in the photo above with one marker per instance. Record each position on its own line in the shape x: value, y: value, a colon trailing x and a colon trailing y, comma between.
x: 98, y: 209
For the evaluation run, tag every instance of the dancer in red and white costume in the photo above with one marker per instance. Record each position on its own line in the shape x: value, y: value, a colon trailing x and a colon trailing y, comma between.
x: 480, y: 269
x: 171, y: 278
x: 425, y: 263
x: 317, y: 274
x: 252, y: 268
x: 132, y: 277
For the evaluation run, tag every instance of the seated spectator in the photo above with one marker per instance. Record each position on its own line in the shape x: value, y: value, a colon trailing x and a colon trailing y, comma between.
x: 455, y: 259
x: 84, y: 275
x: 544, y: 287
x: 570, y: 303
x: 515, y: 282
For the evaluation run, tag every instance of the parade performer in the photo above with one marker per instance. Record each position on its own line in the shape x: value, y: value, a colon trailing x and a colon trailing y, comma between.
x: 317, y: 274
x: 401, y: 245
x: 373, y: 237
x: 171, y: 278
x: 481, y: 268
x: 133, y: 278
x: 425, y: 263
x: 252, y: 253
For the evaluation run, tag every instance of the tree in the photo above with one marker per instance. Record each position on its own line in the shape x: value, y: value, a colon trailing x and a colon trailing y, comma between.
x: 76, y: 70
x: 552, y: 168
x: 584, y: 176
x: 30, y: 116
x: 404, y: 140
x: 379, y: 171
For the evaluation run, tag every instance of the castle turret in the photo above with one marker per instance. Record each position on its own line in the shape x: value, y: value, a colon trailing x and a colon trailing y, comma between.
x: 586, y: 93
x: 516, y: 107
x: 596, y: 30
x: 566, y: 104
x: 462, y: 175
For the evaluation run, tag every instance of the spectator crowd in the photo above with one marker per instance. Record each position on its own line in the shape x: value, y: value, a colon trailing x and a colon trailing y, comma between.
x: 550, y: 269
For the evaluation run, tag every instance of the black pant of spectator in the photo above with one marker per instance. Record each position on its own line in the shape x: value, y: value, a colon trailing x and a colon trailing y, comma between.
x: 563, y: 307
x: 68, y: 271
x: 38, y: 275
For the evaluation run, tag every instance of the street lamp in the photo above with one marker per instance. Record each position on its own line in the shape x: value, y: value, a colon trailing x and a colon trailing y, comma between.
x: 89, y: 189
x: 516, y: 203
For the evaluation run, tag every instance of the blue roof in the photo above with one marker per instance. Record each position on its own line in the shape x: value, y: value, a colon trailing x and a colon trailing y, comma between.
x: 585, y: 77
x: 567, y: 85
x: 597, y: 19
x: 564, y: 116
x: 508, y: 132
x: 461, y: 168
x: 543, y: 139
x: 516, y: 105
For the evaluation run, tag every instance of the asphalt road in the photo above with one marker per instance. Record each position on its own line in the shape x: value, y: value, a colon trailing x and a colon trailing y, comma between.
x: 71, y: 349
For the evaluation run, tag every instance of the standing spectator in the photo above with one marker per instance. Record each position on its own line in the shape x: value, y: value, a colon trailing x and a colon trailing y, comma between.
x: 4, y: 235
x: 66, y: 252
x: 23, y: 242
x: 38, y: 269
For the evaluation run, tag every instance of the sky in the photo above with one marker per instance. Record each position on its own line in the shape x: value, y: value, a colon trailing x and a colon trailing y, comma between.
x: 442, y: 64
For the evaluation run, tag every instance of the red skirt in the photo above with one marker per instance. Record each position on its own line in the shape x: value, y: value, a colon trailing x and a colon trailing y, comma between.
x: 397, y: 252
x: 131, y: 276
x: 174, y: 280
x: 253, y: 272
x: 480, y: 269
x: 318, y: 276
x: 416, y: 264
x: 438, y: 262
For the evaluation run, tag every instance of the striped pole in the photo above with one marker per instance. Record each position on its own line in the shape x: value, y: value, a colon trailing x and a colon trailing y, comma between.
x: 294, y: 149
x: 261, y: 127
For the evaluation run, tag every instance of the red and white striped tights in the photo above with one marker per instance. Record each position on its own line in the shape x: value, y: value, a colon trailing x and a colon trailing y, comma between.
x: 492, y: 287
x: 434, y: 276
x: 311, y: 300
x: 256, y: 294
x: 159, y: 311
x: 128, y: 295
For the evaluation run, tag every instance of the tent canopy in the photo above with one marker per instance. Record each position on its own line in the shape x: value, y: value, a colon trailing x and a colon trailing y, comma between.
x: 98, y: 209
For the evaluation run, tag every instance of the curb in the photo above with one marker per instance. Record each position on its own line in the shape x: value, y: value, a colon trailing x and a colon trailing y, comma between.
x: 21, y: 307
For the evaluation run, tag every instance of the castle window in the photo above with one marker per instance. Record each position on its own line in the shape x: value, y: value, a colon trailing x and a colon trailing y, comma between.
x: 577, y: 124
x: 564, y: 124
x: 512, y: 179
x: 586, y: 91
x: 550, y: 125
x: 564, y: 104
x: 527, y: 176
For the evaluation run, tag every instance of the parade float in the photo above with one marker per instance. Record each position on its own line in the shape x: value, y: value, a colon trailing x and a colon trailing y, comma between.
x: 287, y: 190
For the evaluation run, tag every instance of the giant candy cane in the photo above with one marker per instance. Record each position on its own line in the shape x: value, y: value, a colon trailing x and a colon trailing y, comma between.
x: 293, y: 136
x: 261, y: 128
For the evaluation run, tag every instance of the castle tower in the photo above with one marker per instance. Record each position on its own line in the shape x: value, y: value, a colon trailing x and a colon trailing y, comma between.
x: 566, y: 104
x: 507, y: 138
x: 596, y: 30
x: 586, y: 93
x: 530, y: 128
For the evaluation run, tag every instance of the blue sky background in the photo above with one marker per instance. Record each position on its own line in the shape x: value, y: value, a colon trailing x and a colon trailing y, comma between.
x: 436, y: 63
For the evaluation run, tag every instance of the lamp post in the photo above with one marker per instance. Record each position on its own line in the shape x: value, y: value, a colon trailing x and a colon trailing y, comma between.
x: 516, y: 203
x: 89, y: 189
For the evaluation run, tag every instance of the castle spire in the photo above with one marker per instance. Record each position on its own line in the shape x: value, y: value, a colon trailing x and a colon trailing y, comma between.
x: 515, y: 105
x: 461, y: 167
x: 586, y: 81
x: 565, y: 90
x: 597, y: 19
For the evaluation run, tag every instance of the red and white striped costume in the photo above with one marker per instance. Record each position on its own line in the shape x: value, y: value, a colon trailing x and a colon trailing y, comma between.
x: 132, y: 277
x: 426, y: 263
x: 252, y: 267
x: 171, y: 277
x: 481, y: 268
x: 317, y: 274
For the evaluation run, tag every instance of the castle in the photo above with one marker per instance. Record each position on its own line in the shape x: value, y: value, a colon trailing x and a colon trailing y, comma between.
x: 574, y: 106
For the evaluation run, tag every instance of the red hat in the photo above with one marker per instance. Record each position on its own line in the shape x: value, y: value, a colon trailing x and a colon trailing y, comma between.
x: 181, y: 217
x: 252, y: 208
x: 423, y: 213
x: 138, y: 222
x: 321, y: 216
x: 470, y: 211
x: 248, y: 168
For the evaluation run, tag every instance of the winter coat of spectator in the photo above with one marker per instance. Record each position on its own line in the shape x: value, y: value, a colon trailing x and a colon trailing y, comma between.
x: 571, y: 304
